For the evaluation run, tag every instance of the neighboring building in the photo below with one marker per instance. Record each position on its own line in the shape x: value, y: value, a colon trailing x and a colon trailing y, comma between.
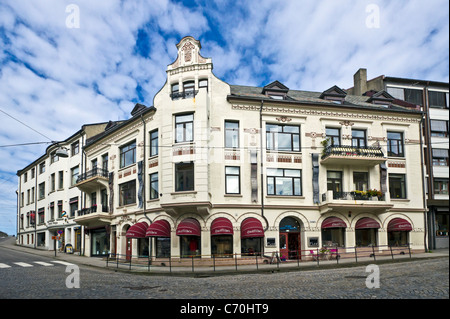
x: 219, y: 169
x: 432, y: 98
x: 48, y: 201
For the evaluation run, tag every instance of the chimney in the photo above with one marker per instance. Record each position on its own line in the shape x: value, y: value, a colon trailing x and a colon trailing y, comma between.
x: 360, y: 82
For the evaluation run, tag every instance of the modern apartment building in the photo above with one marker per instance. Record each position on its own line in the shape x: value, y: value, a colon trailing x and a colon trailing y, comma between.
x: 432, y: 98
x: 219, y: 169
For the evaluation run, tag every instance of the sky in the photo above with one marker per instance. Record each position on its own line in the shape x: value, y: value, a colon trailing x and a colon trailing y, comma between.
x: 68, y: 63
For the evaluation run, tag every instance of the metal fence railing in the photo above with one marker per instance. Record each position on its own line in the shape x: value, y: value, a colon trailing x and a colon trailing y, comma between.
x: 256, y: 261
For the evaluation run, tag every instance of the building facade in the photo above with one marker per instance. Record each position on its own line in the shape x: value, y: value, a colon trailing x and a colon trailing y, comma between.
x: 219, y: 169
x: 432, y: 98
x: 48, y: 200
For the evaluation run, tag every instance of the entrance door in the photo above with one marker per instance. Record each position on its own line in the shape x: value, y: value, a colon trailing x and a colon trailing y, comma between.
x: 128, y: 250
x: 294, y: 246
x: 284, y: 252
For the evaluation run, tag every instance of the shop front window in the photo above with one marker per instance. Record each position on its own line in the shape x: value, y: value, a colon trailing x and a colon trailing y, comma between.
x: 190, y: 246
x: 100, y: 242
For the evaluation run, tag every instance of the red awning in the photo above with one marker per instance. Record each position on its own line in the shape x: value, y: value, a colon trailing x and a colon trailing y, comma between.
x: 159, y: 228
x: 399, y: 224
x: 221, y: 226
x: 137, y: 230
x: 366, y: 222
x: 189, y: 227
x: 251, y: 228
x: 333, y: 222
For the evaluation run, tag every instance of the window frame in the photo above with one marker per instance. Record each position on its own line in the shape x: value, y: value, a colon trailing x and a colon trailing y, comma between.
x: 283, y: 176
x: 184, y: 129
x: 233, y: 175
x: 401, y: 178
x: 154, y: 192
x: 154, y: 138
x: 332, y: 138
x: 273, y: 137
x: 124, y: 150
x: 127, y: 194
x: 231, y: 131
x: 395, y: 143
x: 185, y: 175
x: 358, y: 139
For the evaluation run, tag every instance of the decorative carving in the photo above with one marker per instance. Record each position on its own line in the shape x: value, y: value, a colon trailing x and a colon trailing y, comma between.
x: 346, y: 123
x: 187, y: 48
x: 283, y: 119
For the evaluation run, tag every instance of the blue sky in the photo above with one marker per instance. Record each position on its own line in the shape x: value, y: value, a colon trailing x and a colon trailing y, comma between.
x: 56, y: 78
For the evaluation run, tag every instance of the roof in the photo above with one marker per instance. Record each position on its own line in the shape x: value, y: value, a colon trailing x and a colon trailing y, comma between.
x: 309, y: 97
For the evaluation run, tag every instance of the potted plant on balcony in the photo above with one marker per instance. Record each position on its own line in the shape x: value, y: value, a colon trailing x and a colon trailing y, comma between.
x: 374, y: 194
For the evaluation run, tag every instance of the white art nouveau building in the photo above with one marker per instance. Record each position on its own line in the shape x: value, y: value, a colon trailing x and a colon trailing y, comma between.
x: 219, y: 169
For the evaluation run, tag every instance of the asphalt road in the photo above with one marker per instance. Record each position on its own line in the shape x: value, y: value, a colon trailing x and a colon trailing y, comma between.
x: 24, y: 275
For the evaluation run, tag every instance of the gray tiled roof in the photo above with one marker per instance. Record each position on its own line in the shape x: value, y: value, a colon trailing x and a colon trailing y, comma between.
x: 308, y: 97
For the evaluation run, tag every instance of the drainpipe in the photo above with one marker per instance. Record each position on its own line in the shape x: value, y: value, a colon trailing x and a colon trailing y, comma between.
x: 425, y: 219
x: 143, y: 171
x: 262, y: 163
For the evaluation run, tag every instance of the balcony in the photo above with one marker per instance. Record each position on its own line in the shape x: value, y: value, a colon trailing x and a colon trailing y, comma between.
x: 361, y: 156
x: 92, y: 180
x: 96, y: 215
x: 184, y: 95
x: 356, y: 202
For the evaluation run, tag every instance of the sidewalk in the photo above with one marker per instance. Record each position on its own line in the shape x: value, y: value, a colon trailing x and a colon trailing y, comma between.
x: 99, y: 262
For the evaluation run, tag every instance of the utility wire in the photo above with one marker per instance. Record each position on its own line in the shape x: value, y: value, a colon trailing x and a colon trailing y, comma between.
x: 26, y: 125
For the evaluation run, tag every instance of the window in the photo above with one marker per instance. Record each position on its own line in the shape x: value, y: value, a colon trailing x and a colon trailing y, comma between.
x: 184, y: 177
x: 189, y: 89
x: 154, y: 192
x: 283, y: 137
x: 203, y: 83
x: 441, y: 186
x: 175, y: 91
x: 360, y: 181
x: 74, y: 175
x: 439, y: 128
x: 60, y: 208
x: 284, y: 182
x: 41, y: 216
x: 154, y: 143
x: 231, y: 134
x: 334, y: 183
x: 395, y: 144
x: 440, y: 157
x: 128, y: 154
x: 75, y: 148
x: 42, y: 168
x: 359, y: 138
x: 232, y: 180
x: 127, y: 193
x: 334, y: 136
x: 42, y: 190
x: 53, y: 157
x: 60, y: 179
x: 32, y: 173
x: 184, y: 128
x: 25, y: 177
x: 52, y: 182
x: 105, y: 162
x: 397, y: 186
x: 73, y: 202
x: 438, y: 99
x: 414, y: 96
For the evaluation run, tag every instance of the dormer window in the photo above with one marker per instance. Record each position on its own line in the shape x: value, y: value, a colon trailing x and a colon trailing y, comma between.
x: 276, y: 90
x: 382, y: 98
x: 334, y: 94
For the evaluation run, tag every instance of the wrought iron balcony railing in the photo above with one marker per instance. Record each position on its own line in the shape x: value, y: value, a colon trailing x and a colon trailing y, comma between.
x: 351, y: 151
x: 92, y: 173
